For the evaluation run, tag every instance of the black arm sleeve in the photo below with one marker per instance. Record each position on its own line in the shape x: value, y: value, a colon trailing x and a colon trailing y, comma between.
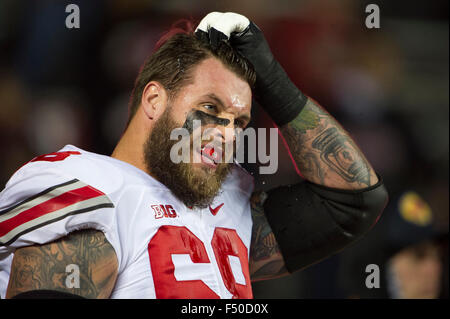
x: 312, y: 222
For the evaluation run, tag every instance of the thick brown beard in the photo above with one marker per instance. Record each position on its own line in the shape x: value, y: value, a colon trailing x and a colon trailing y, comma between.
x: 193, y: 188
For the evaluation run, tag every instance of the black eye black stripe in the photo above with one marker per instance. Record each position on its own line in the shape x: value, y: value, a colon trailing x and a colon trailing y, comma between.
x: 204, y: 119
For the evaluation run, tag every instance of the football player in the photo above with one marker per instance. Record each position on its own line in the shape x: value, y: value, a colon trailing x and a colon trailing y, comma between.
x: 137, y: 224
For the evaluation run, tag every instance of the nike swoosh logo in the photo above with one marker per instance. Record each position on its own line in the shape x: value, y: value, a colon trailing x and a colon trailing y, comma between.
x: 214, y: 211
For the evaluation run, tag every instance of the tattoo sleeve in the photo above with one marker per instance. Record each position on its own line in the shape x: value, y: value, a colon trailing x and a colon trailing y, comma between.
x: 324, y: 152
x: 45, y: 266
x: 266, y: 261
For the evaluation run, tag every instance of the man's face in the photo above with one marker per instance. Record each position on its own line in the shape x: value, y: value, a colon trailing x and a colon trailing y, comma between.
x: 418, y: 270
x: 221, y: 102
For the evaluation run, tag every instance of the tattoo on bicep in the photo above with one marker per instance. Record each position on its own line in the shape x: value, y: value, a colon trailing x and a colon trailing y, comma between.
x: 271, y: 269
x: 265, y: 254
x: 44, y: 266
x: 263, y: 240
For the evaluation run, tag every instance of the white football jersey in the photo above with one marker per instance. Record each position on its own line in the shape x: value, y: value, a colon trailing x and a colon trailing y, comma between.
x: 164, y: 249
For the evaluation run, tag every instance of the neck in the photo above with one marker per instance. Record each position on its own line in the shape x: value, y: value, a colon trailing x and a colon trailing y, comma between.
x: 130, y: 148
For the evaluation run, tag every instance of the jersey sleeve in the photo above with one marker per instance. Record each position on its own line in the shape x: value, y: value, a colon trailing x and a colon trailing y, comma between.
x: 42, y: 203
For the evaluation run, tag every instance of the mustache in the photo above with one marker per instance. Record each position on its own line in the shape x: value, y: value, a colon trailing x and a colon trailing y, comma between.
x: 189, y: 185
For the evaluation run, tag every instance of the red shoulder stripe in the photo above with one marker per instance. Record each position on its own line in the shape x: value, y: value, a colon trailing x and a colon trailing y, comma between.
x: 41, y: 210
x: 56, y: 203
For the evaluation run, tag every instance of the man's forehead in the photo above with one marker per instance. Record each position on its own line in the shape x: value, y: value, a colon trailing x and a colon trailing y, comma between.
x: 236, y: 106
x: 213, y: 78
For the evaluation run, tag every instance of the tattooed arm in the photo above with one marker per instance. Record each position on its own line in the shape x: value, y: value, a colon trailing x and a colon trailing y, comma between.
x: 298, y: 225
x: 324, y: 152
x: 44, y: 266
x: 266, y: 261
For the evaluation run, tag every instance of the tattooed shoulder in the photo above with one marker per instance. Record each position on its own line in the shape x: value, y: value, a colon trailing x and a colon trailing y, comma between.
x: 46, y: 266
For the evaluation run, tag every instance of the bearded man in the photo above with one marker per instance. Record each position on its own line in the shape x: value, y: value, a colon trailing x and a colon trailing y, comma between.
x: 138, y: 224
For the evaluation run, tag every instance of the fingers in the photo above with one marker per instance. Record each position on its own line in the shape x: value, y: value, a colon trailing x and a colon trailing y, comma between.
x: 215, y: 36
x: 217, y: 26
x: 207, y: 20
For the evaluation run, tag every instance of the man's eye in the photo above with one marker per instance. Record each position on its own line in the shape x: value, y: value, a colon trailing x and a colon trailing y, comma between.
x: 210, y: 107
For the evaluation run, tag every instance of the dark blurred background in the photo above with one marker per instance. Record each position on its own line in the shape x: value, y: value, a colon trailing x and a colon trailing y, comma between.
x: 387, y: 86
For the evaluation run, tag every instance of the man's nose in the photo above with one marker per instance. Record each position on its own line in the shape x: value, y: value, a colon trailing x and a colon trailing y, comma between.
x: 227, y: 132
x: 224, y: 134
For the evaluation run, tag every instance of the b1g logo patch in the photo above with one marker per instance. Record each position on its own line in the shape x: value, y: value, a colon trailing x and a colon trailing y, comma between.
x: 164, y: 211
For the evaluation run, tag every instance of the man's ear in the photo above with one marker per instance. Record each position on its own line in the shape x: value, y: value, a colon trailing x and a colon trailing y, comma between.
x: 154, y: 100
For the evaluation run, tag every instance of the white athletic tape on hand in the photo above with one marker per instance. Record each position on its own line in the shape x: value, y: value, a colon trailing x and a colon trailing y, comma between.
x: 226, y: 23
x: 209, y: 18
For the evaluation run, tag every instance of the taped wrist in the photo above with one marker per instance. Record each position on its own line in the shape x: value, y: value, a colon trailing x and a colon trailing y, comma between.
x: 311, y: 222
x: 274, y: 91
x: 279, y: 97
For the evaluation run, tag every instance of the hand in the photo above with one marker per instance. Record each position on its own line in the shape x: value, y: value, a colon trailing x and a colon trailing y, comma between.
x: 274, y: 91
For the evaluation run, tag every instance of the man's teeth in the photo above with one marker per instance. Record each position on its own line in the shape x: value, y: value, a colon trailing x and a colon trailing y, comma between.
x: 210, y: 153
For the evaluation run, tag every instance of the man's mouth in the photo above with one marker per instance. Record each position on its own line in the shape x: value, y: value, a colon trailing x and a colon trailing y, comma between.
x: 211, y: 155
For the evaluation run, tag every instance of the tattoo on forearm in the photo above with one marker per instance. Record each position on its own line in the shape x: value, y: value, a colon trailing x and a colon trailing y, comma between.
x: 44, y: 266
x: 308, y: 121
x: 336, y: 150
x: 266, y: 260
x: 324, y: 152
x: 311, y: 166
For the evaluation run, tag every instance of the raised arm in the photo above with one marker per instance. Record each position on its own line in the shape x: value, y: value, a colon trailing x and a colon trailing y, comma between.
x: 342, y: 197
x: 324, y: 152
x: 298, y: 225
x: 44, y: 267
